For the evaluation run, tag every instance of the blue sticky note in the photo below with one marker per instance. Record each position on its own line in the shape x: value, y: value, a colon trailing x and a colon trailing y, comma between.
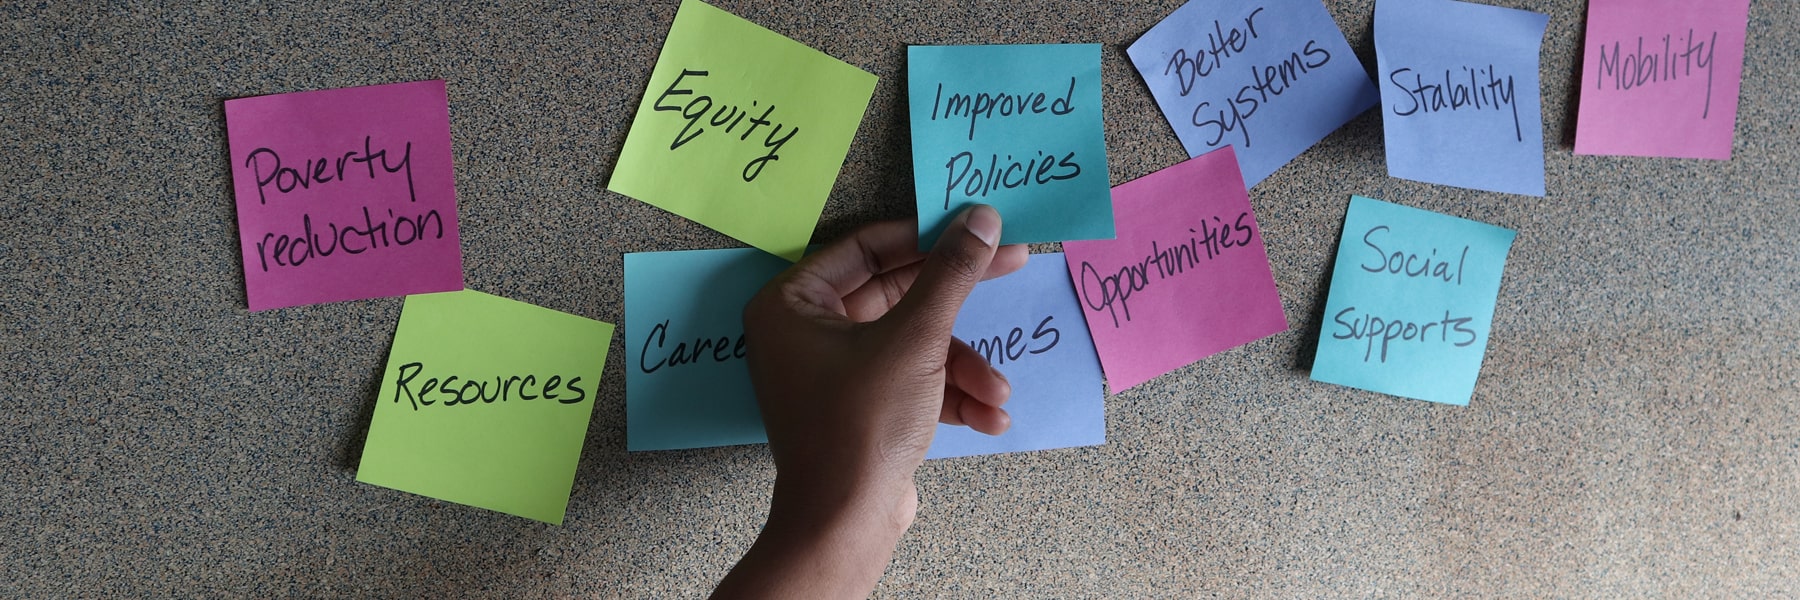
x: 687, y: 385
x: 1459, y: 94
x: 1268, y: 77
x: 1411, y: 302
x: 1018, y: 127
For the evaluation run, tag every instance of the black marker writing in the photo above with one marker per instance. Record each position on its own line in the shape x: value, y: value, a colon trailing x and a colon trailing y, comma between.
x: 1374, y: 328
x: 1116, y: 287
x: 1411, y: 264
x: 293, y: 251
x: 1211, y: 57
x: 1266, y: 83
x: 976, y: 182
x: 1637, y: 69
x: 1232, y: 114
x: 1013, y: 346
x: 984, y: 105
x: 719, y: 349
x: 963, y: 171
x: 322, y: 170
x: 499, y: 389
x: 1485, y: 89
x: 726, y: 116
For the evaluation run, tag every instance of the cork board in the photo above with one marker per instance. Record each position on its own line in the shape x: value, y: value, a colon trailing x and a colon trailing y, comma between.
x: 1634, y: 431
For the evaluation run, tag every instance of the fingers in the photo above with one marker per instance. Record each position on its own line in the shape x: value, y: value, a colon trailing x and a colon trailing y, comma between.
x: 969, y: 371
x: 961, y: 409
x: 870, y: 251
x: 819, y: 283
x: 1009, y: 258
x: 974, y: 391
x: 958, y: 261
x: 879, y: 295
x: 872, y: 269
x: 985, y: 418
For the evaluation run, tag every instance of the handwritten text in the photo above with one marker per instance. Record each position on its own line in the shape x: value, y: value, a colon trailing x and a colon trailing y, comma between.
x: 726, y: 116
x: 447, y: 392
x: 1485, y: 90
x: 1634, y: 69
x: 1114, y: 288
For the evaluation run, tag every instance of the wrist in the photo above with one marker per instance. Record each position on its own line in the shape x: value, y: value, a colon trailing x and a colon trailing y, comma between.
x: 831, y: 542
x: 813, y: 549
x: 869, y: 513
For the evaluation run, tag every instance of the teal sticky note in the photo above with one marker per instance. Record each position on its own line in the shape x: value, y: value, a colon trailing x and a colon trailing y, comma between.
x: 1018, y: 127
x: 685, y: 381
x: 1411, y: 303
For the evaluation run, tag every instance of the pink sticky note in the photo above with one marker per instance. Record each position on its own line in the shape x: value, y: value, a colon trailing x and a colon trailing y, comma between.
x: 1188, y: 276
x: 1660, y: 78
x: 345, y: 194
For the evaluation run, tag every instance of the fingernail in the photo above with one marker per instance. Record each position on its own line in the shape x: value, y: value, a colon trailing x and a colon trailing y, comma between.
x: 984, y: 222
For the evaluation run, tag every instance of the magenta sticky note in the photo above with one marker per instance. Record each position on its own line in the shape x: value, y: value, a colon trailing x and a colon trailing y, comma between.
x: 1187, y: 277
x: 345, y: 194
x: 1660, y: 78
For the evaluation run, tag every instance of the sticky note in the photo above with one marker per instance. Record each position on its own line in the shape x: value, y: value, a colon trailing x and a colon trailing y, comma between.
x: 1660, y: 78
x: 687, y: 385
x: 685, y: 381
x: 1188, y: 276
x: 1459, y: 94
x: 344, y: 194
x: 1267, y: 77
x: 1018, y: 127
x: 1029, y: 326
x: 485, y: 402
x: 1411, y: 304
x: 742, y: 130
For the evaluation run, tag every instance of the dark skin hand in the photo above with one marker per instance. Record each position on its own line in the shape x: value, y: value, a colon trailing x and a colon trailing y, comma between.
x: 854, y: 366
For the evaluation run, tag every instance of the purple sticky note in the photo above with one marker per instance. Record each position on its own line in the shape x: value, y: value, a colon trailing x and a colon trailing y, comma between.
x: 1188, y: 276
x: 1026, y: 325
x: 1459, y: 94
x: 345, y: 194
x: 1660, y: 78
x: 1268, y: 77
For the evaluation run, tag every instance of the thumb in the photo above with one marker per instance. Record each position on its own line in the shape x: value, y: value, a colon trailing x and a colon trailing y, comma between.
x: 956, y: 264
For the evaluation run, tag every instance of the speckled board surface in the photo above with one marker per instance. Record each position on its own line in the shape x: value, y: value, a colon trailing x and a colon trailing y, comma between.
x: 1634, y: 433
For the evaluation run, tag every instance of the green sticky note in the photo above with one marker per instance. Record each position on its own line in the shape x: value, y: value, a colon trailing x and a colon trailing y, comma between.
x: 742, y: 130
x: 486, y: 403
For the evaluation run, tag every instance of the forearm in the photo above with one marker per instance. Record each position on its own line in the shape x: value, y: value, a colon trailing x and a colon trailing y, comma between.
x: 820, y: 546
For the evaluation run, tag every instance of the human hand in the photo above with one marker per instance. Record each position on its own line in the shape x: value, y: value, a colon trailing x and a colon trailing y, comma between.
x: 851, y: 355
